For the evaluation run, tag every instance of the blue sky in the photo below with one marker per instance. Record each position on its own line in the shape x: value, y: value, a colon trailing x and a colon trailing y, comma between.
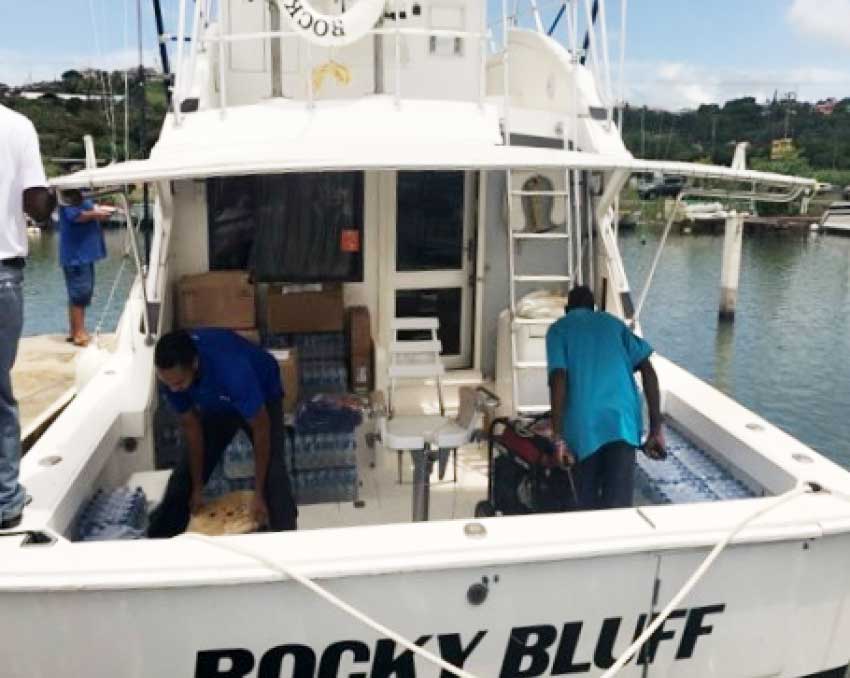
x: 679, y: 53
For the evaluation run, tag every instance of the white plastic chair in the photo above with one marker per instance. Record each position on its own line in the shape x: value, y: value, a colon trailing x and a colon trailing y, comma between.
x: 428, y: 437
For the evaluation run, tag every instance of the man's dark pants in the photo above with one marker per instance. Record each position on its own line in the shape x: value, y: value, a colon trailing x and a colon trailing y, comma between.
x: 171, y: 517
x: 606, y: 478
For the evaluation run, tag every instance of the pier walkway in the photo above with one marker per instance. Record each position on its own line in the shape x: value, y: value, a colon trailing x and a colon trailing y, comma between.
x: 42, y: 378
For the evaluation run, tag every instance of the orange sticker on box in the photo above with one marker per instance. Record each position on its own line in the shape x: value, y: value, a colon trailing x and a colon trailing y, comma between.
x: 349, y: 240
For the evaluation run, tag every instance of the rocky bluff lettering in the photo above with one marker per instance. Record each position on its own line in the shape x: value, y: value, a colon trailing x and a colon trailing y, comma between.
x: 529, y: 651
x: 306, y: 19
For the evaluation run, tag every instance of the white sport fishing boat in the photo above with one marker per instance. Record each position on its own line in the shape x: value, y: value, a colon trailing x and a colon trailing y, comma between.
x: 438, y: 136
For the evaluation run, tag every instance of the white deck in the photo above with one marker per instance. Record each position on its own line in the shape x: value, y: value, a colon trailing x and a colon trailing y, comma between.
x: 387, y: 501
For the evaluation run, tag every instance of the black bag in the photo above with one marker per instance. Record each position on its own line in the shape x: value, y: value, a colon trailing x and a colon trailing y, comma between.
x: 524, y: 477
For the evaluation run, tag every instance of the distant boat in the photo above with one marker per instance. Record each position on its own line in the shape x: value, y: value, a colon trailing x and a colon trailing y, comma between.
x: 836, y: 218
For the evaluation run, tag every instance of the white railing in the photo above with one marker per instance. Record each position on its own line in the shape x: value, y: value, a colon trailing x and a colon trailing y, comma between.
x: 524, y: 12
x: 201, y: 39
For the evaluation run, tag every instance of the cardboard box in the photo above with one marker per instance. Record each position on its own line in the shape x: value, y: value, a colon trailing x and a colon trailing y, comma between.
x: 359, y: 331
x: 361, y: 372
x: 252, y: 335
x: 216, y: 299
x: 287, y: 361
x: 304, y: 308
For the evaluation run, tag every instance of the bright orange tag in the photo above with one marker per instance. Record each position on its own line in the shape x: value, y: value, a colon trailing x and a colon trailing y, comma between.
x: 349, y: 240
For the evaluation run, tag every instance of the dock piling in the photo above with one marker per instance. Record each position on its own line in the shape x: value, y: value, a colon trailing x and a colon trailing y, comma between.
x: 730, y: 272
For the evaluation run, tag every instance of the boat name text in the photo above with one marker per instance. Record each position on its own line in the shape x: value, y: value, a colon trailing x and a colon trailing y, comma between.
x: 530, y: 651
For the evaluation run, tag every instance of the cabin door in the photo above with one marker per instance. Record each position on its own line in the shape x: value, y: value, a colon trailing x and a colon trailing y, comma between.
x: 430, y: 254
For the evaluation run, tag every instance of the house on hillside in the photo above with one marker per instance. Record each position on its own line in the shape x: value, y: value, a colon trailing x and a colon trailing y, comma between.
x: 827, y: 106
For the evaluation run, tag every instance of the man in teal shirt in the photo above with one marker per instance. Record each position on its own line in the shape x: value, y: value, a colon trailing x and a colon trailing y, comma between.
x: 596, y: 410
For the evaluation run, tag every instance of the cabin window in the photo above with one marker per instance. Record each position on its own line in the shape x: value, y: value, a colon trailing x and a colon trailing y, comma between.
x: 288, y: 227
x: 430, y: 221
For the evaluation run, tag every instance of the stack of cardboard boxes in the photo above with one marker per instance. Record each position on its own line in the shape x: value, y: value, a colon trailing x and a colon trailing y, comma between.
x: 305, y: 328
x: 226, y: 299
x: 360, y: 350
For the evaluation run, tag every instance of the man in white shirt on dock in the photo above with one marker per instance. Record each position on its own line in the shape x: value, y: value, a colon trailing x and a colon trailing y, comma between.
x: 23, y: 188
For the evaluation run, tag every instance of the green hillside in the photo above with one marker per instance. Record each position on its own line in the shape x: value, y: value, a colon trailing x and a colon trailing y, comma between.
x: 708, y: 134
x: 61, y: 123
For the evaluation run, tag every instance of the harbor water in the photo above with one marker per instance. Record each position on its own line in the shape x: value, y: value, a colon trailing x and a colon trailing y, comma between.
x: 45, y: 298
x: 785, y: 356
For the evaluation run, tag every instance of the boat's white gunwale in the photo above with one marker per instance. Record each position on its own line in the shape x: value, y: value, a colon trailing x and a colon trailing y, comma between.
x: 157, y: 564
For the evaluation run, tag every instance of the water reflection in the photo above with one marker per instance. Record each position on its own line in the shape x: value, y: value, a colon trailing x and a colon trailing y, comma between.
x: 785, y: 356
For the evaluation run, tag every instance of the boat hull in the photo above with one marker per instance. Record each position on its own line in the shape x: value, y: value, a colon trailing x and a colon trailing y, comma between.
x: 759, y: 612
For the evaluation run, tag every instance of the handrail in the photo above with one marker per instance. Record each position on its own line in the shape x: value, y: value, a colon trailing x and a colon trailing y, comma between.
x: 202, y: 18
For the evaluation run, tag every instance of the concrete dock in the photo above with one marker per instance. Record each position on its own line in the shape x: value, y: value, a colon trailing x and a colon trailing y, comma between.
x: 42, y: 376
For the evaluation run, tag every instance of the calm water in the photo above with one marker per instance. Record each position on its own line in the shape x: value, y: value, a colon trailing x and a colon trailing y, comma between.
x: 45, y: 298
x: 786, y: 356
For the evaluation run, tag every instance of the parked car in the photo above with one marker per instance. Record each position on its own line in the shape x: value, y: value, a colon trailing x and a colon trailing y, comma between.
x: 846, y: 192
x: 667, y: 185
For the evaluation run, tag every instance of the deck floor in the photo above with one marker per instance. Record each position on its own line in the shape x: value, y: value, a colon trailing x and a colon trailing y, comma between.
x: 386, y: 501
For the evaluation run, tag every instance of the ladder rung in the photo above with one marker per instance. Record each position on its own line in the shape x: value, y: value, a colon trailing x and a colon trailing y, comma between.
x: 539, y: 322
x: 520, y: 235
x: 549, y: 193
x: 434, y: 346
x: 531, y: 365
x: 542, y: 278
x: 533, y: 409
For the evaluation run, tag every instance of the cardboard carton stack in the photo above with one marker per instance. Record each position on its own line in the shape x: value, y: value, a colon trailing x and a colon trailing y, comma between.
x: 360, y: 350
x: 217, y: 299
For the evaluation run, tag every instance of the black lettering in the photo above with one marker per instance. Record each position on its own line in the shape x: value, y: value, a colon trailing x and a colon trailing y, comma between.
x: 387, y: 664
x: 329, y: 665
x: 565, y: 656
x: 304, y: 662
x: 293, y: 7
x: 694, y: 629
x: 519, y: 649
x: 338, y: 29
x: 208, y: 663
x: 650, y: 647
x: 321, y: 28
x: 309, y: 19
x: 453, y: 651
x: 603, y: 655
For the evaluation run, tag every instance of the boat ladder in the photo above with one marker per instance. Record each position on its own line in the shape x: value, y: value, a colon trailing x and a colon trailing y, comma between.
x: 520, y: 235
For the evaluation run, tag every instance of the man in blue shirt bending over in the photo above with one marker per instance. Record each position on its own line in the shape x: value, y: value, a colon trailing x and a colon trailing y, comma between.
x: 596, y: 409
x: 220, y: 382
x: 81, y: 244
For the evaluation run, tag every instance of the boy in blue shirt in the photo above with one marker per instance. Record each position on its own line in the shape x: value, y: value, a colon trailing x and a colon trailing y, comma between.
x: 596, y: 410
x: 219, y: 382
x: 80, y: 245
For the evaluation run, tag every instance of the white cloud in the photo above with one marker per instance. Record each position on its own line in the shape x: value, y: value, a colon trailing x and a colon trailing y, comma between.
x: 822, y: 19
x: 677, y: 85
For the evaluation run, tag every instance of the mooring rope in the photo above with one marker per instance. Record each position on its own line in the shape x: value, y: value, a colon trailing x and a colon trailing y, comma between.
x: 286, y: 571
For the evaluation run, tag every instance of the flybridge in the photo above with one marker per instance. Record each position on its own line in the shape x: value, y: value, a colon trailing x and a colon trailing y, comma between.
x: 528, y: 651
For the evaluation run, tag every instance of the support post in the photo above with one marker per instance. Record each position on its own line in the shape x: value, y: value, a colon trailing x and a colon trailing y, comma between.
x: 730, y: 272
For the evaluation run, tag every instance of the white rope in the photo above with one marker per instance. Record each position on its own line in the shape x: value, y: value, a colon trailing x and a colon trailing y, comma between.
x: 105, y: 80
x: 655, y: 260
x: 127, y: 82
x: 111, y: 296
x: 698, y: 575
x: 622, y: 70
x: 286, y: 571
